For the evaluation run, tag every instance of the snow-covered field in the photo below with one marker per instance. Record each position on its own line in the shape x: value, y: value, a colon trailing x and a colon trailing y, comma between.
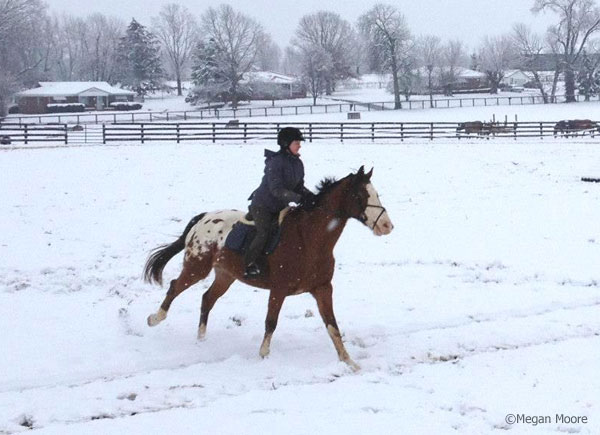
x: 483, y: 302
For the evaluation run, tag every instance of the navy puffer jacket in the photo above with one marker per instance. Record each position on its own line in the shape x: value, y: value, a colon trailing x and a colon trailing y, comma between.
x: 282, y: 183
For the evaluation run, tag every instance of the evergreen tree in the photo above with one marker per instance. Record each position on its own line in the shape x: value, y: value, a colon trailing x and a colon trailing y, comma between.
x: 139, y: 58
x: 588, y: 79
x: 209, y: 76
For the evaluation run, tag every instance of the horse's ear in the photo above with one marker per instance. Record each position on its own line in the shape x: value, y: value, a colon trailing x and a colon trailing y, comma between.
x: 370, y: 174
x: 361, y: 171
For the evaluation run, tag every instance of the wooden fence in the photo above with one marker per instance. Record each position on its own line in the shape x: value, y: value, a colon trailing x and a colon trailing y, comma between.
x: 252, y: 131
x: 249, y: 112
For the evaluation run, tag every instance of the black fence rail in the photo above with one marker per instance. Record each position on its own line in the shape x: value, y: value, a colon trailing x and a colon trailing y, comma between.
x: 250, y: 112
x: 373, y: 131
x: 253, y: 131
x: 30, y: 133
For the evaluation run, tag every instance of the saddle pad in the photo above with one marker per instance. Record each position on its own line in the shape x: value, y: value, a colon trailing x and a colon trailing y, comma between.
x: 241, y: 235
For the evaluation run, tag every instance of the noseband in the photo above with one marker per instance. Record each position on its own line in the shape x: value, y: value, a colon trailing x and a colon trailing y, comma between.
x: 363, y: 217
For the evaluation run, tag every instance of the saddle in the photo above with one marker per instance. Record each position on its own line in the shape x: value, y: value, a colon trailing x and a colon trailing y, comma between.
x: 242, y: 233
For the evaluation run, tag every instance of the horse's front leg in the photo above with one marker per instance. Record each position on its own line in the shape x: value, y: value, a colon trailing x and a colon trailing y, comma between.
x: 275, y: 303
x: 324, y: 297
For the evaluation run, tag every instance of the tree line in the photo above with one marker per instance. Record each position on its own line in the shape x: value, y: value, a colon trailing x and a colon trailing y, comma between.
x: 220, y: 46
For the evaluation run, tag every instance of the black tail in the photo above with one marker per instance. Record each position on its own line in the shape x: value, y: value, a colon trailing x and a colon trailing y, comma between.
x: 160, y: 256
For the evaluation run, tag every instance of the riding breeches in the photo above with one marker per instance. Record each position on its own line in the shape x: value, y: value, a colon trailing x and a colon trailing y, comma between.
x: 264, y: 221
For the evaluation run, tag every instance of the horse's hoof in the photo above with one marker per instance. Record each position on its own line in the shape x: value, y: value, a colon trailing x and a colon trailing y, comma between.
x: 355, y: 367
x: 201, y: 333
x: 155, y: 319
x: 264, y: 352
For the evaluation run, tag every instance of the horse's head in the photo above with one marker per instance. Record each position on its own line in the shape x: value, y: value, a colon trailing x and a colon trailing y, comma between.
x: 362, y: 203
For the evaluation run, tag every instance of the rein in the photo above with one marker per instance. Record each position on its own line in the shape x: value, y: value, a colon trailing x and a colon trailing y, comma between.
x: 363, y: 217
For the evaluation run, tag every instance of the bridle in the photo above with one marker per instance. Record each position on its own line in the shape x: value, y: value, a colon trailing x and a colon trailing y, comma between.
x: 363, y: 217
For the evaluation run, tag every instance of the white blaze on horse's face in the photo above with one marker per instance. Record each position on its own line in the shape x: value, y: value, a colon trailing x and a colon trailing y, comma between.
x: 377, y: 216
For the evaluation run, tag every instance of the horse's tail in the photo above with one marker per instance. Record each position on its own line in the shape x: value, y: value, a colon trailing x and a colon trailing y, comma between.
x: 159, y: 258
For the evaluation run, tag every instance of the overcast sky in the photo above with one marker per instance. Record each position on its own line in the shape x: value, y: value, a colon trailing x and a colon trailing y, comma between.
x: 468, y: 20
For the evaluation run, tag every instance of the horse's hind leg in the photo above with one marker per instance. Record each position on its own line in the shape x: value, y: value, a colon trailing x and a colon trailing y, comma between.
x: 324, y: 297
x: 194, y: 270
x: 217, y: 289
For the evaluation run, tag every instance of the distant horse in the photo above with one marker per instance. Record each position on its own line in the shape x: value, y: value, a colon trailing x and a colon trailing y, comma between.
x: 302, y: 262
x: 573, y: 126
x: 496, y: 128
x: 470, y: 127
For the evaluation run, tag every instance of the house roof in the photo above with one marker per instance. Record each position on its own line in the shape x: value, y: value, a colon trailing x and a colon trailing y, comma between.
x: 269, y: 77
x: 63, y: 89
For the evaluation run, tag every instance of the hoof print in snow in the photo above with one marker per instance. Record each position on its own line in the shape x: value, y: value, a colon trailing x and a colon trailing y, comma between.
x: 26, y: 421
x: 237, y: 320
x: 101, y: 417
x: 443, y: 358
x: 309, y: 313
x: 131, y: 396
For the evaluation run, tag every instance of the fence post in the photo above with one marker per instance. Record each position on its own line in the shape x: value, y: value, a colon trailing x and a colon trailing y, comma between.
x: 460, y: 100
x: 431, y: 130
x: 66, y: 135
x: 133, y: 118
x: 541, y: 130
x: 115, y: 118
x: 151, y: 116
x: 185, y: 115
x: 142, y: 130
x: 214, y: 132
x: 25, y: 134
x: 245, y: 131
x: 515, y: 129
x: 178, y: 134
x: 310, y: 131
x: 341, y: 131
x: 372, y: 132
x: 281, y: 110
x: 265, y: 111
x: 402, y: 132
x: 104, y: 133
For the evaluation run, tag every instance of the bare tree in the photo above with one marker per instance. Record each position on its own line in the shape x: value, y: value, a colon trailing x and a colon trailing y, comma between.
x: 386, y: 31
x: 430, y: 49
x: 25, y: 46
x: 268, y: 57
x: 177, y: 30
x: 99, y: 47
x: 316, y: 64
x: 495, y: 55
x: 453, y: 57
x: 237, y: 38
x: 578, y: 20
x: 529, y: 47
x: 332, y: 34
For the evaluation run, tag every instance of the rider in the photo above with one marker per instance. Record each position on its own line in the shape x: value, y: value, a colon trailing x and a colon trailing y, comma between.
x: 282, y: 183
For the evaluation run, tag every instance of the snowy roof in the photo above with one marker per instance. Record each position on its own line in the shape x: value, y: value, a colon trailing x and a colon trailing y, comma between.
x: 57, y: 89
x: 467, y: 73
x: 269, y: 77
x: 512, y: 72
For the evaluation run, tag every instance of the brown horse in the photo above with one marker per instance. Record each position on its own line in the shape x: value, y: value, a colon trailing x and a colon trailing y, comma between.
x: 469, y: 127
x: 302, y: 262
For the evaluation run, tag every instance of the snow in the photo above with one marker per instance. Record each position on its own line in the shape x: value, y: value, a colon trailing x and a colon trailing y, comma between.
x: 51, y: 89
x: 484, y: 301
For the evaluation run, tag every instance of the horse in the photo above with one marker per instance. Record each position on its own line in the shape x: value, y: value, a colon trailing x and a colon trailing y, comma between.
x: 470, y: 127
x: 572, y: 126
x: 302, y: 262
x: 561, y: 127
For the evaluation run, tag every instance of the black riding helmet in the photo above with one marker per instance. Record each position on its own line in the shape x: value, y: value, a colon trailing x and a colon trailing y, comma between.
x: 287, y: 135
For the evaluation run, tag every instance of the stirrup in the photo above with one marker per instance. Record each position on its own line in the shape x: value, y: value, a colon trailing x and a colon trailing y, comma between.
x: 252, y: 271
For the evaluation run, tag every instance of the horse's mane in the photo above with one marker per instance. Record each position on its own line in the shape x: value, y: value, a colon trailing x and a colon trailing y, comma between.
x: 325, y: 186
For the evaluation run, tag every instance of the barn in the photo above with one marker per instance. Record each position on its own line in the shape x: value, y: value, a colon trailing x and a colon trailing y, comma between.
x: 93, y: 95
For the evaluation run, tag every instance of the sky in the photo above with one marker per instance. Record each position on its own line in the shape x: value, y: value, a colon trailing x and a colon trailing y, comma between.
x: 467, y: 20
